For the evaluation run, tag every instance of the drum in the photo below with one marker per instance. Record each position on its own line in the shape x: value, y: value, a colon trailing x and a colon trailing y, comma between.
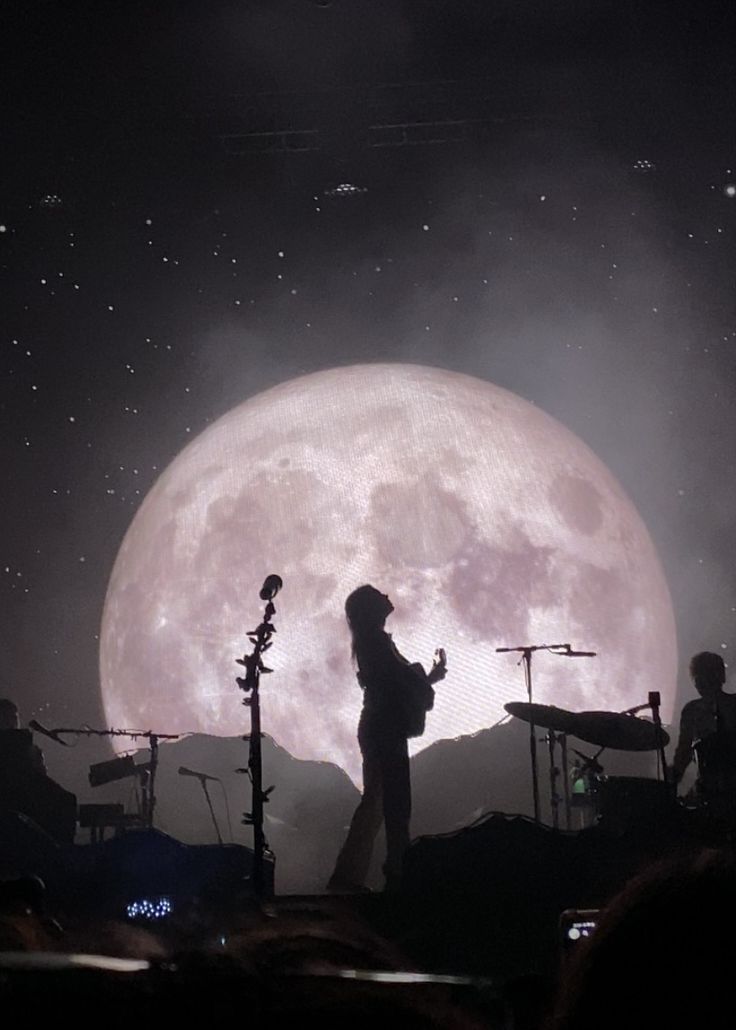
x: 633, y: 803
x: 715, y: 788
x: 716, y: 758
x: 583, y: 787
x: 584, y: 784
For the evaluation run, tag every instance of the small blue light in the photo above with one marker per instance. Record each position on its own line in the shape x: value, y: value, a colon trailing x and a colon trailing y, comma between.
x: 151, y: 909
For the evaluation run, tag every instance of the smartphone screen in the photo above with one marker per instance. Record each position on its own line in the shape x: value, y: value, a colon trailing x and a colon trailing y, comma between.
x: 576, y: 924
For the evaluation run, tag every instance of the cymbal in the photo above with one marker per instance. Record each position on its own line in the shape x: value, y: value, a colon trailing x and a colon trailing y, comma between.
x: 620, y: 732
x: 546, y: 716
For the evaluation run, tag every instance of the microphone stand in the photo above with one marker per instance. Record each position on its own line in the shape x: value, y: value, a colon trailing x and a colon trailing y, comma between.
x: 148, y: 801
x: 526, y: 651
x: 203, y: 777
x: 205, y: 788
x: 148, y: 784
x: 260, y: 637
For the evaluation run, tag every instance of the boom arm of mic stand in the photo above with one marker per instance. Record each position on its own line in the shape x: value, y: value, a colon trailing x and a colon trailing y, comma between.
x: 528, y: 648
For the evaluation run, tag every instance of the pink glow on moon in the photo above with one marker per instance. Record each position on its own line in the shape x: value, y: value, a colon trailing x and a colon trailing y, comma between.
x: 486, y: 521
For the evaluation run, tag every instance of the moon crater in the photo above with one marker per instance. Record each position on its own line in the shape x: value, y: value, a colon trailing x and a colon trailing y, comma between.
x: 579, y: 503
x: 417, y: 524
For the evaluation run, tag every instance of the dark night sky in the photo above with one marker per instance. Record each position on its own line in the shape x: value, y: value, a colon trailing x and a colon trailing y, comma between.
x: 577, y: 248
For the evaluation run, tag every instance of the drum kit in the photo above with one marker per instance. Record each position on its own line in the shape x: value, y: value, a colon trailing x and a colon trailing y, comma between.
x: 585, y: 787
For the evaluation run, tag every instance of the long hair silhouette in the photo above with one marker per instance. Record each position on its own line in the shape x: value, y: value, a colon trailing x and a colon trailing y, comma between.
x: 365, y: 610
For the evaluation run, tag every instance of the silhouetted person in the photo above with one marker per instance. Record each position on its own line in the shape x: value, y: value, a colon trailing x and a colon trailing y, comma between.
x: 393, y: 690
x: 9, y: 717
x: 23, y: 913
x: 708, y: 730
x: 16, y: 745
x: 25, y: 787
x: 663, y: 954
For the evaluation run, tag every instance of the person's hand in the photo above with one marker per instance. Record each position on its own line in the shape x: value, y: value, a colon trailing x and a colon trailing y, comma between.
x: 439, y: 666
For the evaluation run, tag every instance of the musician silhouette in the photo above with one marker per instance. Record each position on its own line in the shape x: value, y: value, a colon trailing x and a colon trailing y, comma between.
x: 708, y: 731
x: 16, y: 745
x: 25, y: 786
x: 393, y: 689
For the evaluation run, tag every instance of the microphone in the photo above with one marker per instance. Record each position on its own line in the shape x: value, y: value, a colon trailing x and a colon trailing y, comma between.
x: 271, y: 586
x: 51, y: 734
x: 183, y: 771
x: 579, y: 654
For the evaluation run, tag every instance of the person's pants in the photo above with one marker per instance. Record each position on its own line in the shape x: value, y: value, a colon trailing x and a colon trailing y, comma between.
x: 387, y: 797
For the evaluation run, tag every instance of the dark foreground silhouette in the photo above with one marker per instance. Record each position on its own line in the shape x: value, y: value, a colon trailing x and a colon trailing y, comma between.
x: 663, y: 954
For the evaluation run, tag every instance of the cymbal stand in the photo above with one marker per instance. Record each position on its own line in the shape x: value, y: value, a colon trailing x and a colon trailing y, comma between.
x: 562, y: 738
x: 555, y: 772
x: 526, y: 658
x: 526, y: 651
x: 654, y: 701
x: 148, y: 784
x: 260, y: 637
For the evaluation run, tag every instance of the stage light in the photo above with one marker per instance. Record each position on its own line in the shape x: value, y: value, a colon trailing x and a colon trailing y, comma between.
x: 345, y: 189
x: 150, y: 909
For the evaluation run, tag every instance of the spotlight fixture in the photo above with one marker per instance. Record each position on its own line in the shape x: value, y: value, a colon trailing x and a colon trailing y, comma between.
x: 642, y: 165
x: 345, y: 189
x: 149, y: 909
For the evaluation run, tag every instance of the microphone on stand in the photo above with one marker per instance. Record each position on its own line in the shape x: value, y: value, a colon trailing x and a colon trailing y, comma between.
x: 183, y: 771
x: 51, y: 734
x: 271, y: 586
x: 569, y: 653
x: 203, y: 777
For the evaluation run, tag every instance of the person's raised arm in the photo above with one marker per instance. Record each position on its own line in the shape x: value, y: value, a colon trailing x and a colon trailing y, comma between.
x: 439, y: 666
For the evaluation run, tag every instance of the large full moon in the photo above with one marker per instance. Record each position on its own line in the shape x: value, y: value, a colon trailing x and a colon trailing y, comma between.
x: 486, y: 521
